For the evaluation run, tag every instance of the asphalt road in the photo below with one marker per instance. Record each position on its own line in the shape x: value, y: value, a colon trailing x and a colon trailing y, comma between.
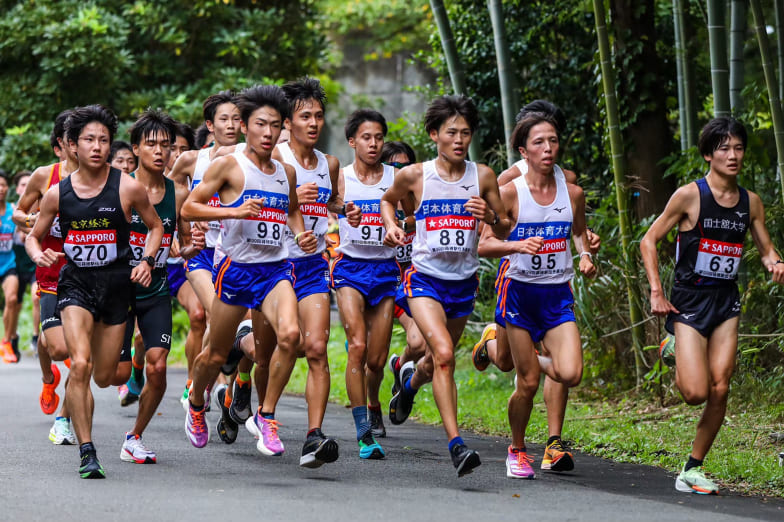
x: 38, y: 480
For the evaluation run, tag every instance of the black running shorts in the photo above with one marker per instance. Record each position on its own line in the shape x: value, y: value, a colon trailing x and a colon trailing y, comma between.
x: 105, y: 293
x: 703, y: 308
x: 154, y: 317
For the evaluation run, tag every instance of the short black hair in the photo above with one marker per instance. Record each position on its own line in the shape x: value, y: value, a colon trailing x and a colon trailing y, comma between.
x: 719, y: 130
x: 524, y: 126
x: 545, y: 107
x: 211, y: 104
x: 19, y: 175
x: 201, y: 136
x: 301, y: 91
x: 4, y: 175
x: 186, y: 131
x: 445, y: 107
x: 117, y: 146
x: 393, y: 148
x: 58, y: 131
x: 253, y: 98
x: 359, y: 117
x: 152, y: 122
x: 80, y: 117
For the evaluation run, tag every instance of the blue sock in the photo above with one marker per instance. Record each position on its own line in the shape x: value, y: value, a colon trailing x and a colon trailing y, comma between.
x: 266, y: 415
x: 61, y: 418
x: 407, y: 386
x: 360, y: 420
x: 454, y: 442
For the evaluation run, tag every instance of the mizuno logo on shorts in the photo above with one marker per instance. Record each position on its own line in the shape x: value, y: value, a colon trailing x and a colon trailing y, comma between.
x: 512, y: 314
x: 338, y: 281
x: 688, y: 316
x: 228, y: 295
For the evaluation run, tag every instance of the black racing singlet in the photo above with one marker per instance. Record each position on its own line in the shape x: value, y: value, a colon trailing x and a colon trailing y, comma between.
x: 709, y: 254
x: 95, y: 230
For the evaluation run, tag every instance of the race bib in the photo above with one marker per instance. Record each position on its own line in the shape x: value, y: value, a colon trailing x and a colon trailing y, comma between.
x: 718, y: 259
x: 370, y: 231
x: 403, y: 253
x: 6, y: 242
x: 54, y: 230
x: 91, y: 248
x: 138, y: 242
x: 449, y: 226
x: 315, y: 214
x: 553, y: 258
x: 269, y: 226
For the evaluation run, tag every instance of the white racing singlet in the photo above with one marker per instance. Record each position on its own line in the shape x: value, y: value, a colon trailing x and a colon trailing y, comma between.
x: 367, y: 240
x: 446, y: 233
x: 314, y: 214
x: 553, y: 222
x: 260, y: 238
x: 202, y: 163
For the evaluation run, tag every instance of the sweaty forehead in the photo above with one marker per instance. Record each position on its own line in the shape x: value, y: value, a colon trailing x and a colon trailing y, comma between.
x: 95, y: 128
x: 226, y: 109
x: 310, y: 105
x: 456, y: 122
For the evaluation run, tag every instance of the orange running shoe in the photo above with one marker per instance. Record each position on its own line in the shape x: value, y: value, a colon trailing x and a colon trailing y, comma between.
x: 49, y: 398
x: 67, y: 363
x: 479, y: 354
x: 8, y: 352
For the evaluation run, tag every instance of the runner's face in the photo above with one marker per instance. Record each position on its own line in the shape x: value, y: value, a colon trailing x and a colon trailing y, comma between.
x: 541, y: 147
x: 92, y: 147
x: 3, y: 189
x: 367, y: 142
x: 179, y: 146
x: 123, y: 159
x: 727, y: 160
x: 452, y: 139
x: 21, y: 185
x: 153, y: 152
x: 263, y: 130
x: 306, y: 123
x: 226, y: 125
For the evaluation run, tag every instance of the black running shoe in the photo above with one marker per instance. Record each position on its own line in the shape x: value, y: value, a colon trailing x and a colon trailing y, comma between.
x: 464, y: 459
x: 240, y: 403
x: 235, y: 355
x: 392, y: 365
x: 91, y: 468
x: 226, y: 427
x: 377, y: 423
x: 15, y: 347
x: 318, y: 450
x: 401, y: 404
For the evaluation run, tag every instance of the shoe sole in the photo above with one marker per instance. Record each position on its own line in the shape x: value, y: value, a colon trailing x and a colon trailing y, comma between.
x: 128, y: 400
x: 482, y: 345
x: 381, y: 434
x: 377, y: 453
x: 396, y: 384
x: 250, y: 425
x: 511, y: 475
x: 229, y: 435
x: 685, y: 488
x: 60, y: 441
x: 565, y: 463
x: 393, y: 411
x: 94, y: 474
x: 52, y: 409
x: 126, y: 456
x: 468, y: 464
x: 327, y: 452
x: 236, y: 417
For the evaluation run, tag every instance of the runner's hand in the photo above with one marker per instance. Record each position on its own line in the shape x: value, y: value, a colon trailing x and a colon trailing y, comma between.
x: 141, y: 274
x: 48, y: 257
x: 198, y: 241
x: 250, y: 207
x: 777, y: 271
x: 594, y: 241
x: 529, y: 246
x: 587, y: 268
x: 479, y: 209
x: 660, y: 305
x: 394, y: 237
x: 307, y: 193
x: 353, y: 214
x: 308, y: 242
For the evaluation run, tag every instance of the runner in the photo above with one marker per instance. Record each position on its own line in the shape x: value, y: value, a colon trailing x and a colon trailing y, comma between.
x: 122, y: 157
x: 450, y: 195
x: 152, y: 136
x: 257, y: 198
x: 536, y: 300
x: 365, y: 274
x: 25, y: 268
x: 713, y: 216
x: 317, y: 174
x: 95, y: 288
x: 51, y: 341
x: 8, y: 278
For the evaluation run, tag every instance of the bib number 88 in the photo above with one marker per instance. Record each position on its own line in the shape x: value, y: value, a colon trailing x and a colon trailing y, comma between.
x: 445, y: 237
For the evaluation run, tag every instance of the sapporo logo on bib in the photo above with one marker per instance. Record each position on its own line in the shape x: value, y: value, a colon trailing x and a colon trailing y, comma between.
x: 315, y: 214
x: 718, y: 259
x: 269, y: 225
x: 450, y: 227
x: 138, y: 242
x: 370, y: 231
x: 6, y: 241
x: 90, y: 248
x: 554, y: 256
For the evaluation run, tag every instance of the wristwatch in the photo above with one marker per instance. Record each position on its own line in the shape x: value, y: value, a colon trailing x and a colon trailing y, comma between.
x: 149, y: 260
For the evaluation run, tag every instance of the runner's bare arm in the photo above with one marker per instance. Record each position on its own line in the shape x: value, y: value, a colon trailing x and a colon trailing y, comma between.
x: 191, y: 241
x: 403, y: 186
x: 488, y: 206
x: 759, y: 233
x: 579, y: 230
x: 217, y: 176
x: 304, y: 238
x: 336, y: 202
x: 26, y: 212
x: 183, y: 168
x: 136, y: 195
x: 491, y: 245
x: 50, y: 206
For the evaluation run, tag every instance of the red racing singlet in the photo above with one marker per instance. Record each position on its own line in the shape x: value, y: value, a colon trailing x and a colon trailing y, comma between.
x: 47, y: 277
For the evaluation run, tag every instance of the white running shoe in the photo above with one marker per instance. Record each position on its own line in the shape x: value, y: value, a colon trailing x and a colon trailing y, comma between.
x: 61, y: 433
x: 134, y: 451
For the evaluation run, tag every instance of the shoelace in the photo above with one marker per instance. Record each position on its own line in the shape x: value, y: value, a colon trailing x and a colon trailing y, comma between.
x: 197, y: 421
x: 557, y: 446
x: 522, y: 456
x: 272, y: 428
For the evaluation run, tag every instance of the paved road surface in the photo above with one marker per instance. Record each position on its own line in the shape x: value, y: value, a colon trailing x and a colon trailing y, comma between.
x: 38, y: 481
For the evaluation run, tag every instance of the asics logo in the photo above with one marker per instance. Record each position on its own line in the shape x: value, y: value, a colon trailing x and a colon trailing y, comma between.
x: 466, y: 187
x: 559, y: 210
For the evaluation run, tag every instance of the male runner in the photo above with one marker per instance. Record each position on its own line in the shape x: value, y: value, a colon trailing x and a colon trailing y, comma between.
x: 8, y: 278
x: 257, y: 198
x: 151, y: 137
x: 95, y: 288
x: 713, y: 215
x: 25, y: 268
x: 450, y: 195
x: 122, y: 157
x: 536, y: 300
x: 317, y: 174
x: 365, y: 274
x: 51, y: 341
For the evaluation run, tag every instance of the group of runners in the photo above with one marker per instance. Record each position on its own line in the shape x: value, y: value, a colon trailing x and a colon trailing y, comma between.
x: 237, y: 232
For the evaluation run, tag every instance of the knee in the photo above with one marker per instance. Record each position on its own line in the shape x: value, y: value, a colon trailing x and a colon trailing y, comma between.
x: 720, y: 390
x: 80, y: 370
x: 288, y: 338
x: 11, y: 300
x: 377, y: 363
x: 527, y: 384
x: 504, y: 362
x: 198, y: 319
x: 694, y: 395
x: 571, y: 378
x: 443, y: 356
x: 357, y: 351
x: 156, y: 372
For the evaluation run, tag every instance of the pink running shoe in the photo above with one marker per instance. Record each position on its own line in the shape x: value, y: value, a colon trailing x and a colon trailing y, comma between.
x: 266, y: 431
x: 518, y: 464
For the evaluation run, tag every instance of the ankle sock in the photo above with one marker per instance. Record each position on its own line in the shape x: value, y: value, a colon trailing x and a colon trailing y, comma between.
x: 243, y: 378
x: 360, y: 420
x: 407, y: 386
x: 552, y: 439
x: 692, y: 463
x: 266, y: 414
x: 454, y: 442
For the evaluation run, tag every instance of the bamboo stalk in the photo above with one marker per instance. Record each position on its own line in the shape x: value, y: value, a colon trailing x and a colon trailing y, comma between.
x: 717, y: 38
x: 505, y: 75
x: 738, y: 25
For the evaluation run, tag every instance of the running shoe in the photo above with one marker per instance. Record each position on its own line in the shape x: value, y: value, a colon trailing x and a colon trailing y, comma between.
x: 479, y: 354
x: 184, y: 398
x: 518, y: 464
x: 401, y: 404
x: 557, y: 457
x: 667, y: 350
x: 393, y: 368
x: 8, y: 352
x: 227, y: 429
x: 67, y: 363
x: 464, y: 459
x: 266, y: 431
x: 15, y: 348
x: 61, y: 433
x: 369, y: 448
x: 134, y: 451
x: 318, y: 450
x: 694, y: 481
x: 196, y: 427
x: 34, y: 345
x: 90, y: 467
x: 377, y: 423
x: 240, y: 403
x: 126, y: 397
x: 49, y: 398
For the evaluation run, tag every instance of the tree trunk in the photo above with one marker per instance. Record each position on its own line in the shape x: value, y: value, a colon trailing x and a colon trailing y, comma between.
x: 619, y: 168
x: 680, y: 58
x: 453, y: 63
x: 717, y: 38
x: 738, y: 26
x: 505, y: 75
x: 779, y: 7
x: 772, y: 85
